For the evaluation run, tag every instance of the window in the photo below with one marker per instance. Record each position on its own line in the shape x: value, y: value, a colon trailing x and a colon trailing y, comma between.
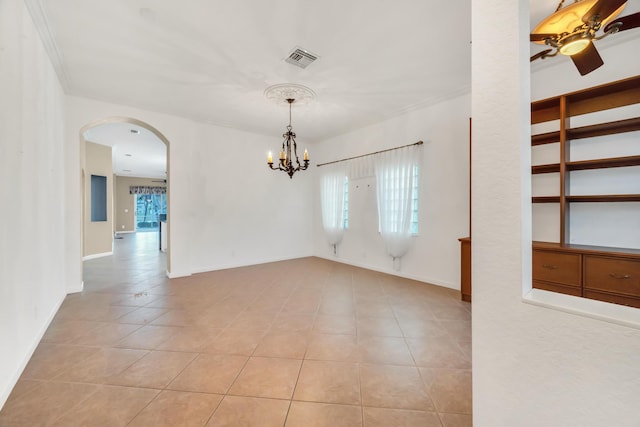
x: 149, y: 208
x: 414, y: 201
x: 346, y: 202
x: 413, y: 228
x: 332, y: 201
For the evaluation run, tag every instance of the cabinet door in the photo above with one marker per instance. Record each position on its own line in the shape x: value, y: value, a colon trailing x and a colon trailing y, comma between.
x: 465, y: 270
x: 557, y: 267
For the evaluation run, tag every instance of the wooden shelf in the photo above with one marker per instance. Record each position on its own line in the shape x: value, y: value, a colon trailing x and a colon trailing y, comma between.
x: 545, y: 110
x: 602, y: 129
x: 591, y: 131
x: 604, y: 198
x: 604, y: 97
x: 590, y: 249
x: 545, y: 199
x: 591, y: 198
x: 598, y: 98
x: 612, y: 162
x: 550, y: 168
x: 545, y: 138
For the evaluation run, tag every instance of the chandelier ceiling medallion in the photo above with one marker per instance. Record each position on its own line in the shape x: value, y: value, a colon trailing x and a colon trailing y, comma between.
x: 287, y: 94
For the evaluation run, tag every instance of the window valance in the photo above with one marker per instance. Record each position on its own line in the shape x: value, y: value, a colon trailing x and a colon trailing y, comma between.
x: 145, y: 189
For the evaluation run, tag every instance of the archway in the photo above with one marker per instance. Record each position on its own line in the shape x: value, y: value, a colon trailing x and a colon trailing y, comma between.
x: 134, y: 124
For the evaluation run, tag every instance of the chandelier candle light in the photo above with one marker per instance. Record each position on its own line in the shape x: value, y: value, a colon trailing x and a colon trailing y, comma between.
x: 285, y: 163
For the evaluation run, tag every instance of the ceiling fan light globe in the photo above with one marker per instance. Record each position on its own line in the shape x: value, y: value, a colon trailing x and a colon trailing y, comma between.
x: 575, y: 46
x: 567, y: 19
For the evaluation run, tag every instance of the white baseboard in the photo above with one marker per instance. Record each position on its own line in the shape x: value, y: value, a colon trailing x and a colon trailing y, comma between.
x: 429, y: 280
x: 4, y: 394
x: 75, y: 290
x: 247, y: 264
x: 94, y: 256
x: 174, y: 274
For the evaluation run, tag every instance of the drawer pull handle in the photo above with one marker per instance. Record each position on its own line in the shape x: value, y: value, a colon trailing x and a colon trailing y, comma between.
x: 619, y: 276
x: 550, y: 266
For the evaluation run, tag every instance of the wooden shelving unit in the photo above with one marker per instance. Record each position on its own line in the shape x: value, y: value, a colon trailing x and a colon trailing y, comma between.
x: 587, y: 271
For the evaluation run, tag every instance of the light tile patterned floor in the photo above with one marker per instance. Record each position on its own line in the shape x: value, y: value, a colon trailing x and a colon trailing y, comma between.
x: 305, y: 342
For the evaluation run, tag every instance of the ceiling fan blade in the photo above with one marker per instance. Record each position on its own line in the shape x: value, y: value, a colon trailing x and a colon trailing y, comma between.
x: 541, y: 37
x: 587, y: 60
x: 602, y: 8
x: 539, y: 55
x: 628, y: 22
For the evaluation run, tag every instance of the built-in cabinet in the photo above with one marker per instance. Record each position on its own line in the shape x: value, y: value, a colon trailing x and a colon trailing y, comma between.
x: 465, y: 269
x: 600, y: 270
x: 465, y: 243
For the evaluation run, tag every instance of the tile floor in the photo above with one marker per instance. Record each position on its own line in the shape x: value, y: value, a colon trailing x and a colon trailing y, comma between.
x: 306, y: 342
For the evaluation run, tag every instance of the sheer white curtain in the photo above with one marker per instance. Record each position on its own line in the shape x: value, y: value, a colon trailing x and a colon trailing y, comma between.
x: 332, y: 199
x: 394, y: 183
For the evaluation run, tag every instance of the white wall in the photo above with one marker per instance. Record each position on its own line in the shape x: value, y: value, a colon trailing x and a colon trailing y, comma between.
x: 443, y: 200
x: 532, y: 366
x: 33, y: 234
x: 243, y: 212
x: 226, y: 208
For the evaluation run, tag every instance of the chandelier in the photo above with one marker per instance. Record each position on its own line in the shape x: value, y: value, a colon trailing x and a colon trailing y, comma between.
x: 289, y: 161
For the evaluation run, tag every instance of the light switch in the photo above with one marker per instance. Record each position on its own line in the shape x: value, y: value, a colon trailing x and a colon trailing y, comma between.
x: 126, y: 210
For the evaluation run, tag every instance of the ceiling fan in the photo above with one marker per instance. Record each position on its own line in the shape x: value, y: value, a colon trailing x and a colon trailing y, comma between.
x: 572, y: 30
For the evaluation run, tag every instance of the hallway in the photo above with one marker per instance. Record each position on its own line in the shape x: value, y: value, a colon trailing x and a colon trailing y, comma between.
x: 305, y: 342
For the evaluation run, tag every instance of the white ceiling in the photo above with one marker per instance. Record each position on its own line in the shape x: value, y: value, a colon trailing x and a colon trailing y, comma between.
x: 211, y: 61
x: 136, y: 151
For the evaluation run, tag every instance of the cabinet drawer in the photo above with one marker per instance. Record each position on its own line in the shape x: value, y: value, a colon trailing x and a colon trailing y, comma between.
x: 620, y: 276
x: 556, y: 267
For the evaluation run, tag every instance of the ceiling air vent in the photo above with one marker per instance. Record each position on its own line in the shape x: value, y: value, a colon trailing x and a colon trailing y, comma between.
x: 301, y: 58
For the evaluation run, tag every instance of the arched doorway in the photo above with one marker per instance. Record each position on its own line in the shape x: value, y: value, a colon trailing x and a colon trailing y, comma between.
x: 117, y: 143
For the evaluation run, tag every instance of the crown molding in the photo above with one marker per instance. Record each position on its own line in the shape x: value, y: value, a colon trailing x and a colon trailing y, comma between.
x: 36, y: 10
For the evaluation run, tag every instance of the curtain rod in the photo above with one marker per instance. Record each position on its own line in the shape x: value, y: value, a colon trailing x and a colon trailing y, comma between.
x: 370, y: 154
